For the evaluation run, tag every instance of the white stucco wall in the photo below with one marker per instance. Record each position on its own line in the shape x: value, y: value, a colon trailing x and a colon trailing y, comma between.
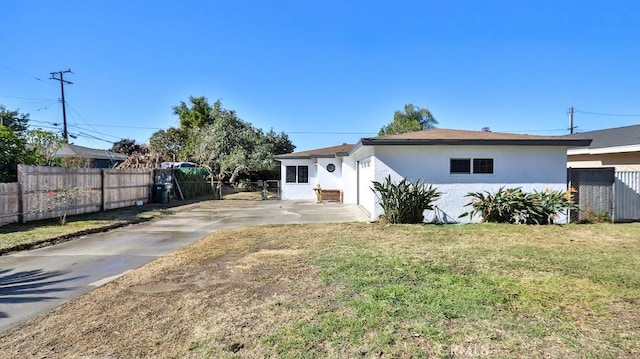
x: 298, y: 191
x: 326, y: 179
x: 529, y: 167
x: 349, y: 180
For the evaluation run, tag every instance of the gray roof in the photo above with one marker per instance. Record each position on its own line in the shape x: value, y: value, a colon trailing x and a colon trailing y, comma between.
x: 69, y: 150
x: 611, y: 137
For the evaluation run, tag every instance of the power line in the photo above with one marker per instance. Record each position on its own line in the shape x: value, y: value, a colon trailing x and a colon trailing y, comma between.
x: 605, y: 114
x: 27, y: 98
x: 20, y: 72
x: 97, y: 132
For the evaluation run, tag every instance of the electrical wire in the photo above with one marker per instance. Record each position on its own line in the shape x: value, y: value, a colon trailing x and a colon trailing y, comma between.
x: 604, y: 114
x: 20, y: 72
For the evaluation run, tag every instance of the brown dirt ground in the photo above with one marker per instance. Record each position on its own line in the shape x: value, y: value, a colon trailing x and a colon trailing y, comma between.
x: 222, y: 287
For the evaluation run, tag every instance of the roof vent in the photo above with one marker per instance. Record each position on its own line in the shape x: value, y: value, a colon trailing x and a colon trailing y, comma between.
x: 486, y: 129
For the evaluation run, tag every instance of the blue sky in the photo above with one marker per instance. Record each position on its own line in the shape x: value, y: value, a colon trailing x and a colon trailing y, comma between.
x: 325, y: 72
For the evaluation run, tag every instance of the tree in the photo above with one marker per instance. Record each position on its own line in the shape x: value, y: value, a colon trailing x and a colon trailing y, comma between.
x: 12, y: 152
x: 266, y: 147
x: 198, y: 114
x: 169, y: 143
x: 412, y: 119
x: 13, y: 143
x: 127, y: 146
x: 230, y: 147
x: 45, y: 144
x: 14, y: 121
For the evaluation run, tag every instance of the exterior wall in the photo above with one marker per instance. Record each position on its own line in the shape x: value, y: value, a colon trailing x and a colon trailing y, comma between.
x: 349, y: 180
x: 326, y: 179
x: 529, y: 167
x: 298, y: 191
x: 629, y: 161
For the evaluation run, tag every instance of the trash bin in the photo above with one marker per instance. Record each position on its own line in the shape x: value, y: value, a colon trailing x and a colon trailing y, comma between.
x: 155, y: 192
x: 163, y: 195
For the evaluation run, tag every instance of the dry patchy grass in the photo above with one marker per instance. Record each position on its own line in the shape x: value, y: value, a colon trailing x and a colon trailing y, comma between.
x: 363, y: 290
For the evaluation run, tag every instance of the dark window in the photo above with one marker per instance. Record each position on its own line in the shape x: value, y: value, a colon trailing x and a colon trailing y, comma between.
x: 303, y: 174
x: 297, y: 174
x: 460, y: 165
x: 291, y: 174
x: 483, y: 165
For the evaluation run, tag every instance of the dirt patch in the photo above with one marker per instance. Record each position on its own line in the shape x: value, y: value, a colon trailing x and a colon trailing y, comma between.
x: 239, y: 290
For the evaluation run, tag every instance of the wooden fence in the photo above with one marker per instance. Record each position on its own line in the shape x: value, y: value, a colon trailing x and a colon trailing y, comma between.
x: 9, y: 203
x: 109, y: 188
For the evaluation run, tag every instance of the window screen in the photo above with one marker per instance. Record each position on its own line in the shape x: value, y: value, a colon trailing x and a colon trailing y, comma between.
x: 303, y: 174
x: 291, y: 174
x: 483, y: 165
x: 460, y: 165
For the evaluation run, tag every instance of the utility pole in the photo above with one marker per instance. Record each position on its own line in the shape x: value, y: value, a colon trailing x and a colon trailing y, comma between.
x: 571, y: 127
x: 65, y: 133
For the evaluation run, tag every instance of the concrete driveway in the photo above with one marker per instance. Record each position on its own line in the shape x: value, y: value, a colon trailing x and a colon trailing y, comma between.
x: 33, y: 282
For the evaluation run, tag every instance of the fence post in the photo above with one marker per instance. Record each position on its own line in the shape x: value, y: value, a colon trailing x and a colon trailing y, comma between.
x: 102, y: 187
x: 21, y: 216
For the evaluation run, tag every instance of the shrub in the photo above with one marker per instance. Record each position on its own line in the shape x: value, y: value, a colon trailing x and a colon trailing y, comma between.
x: 193, y: 184
x: 546, y: 205
x: 503, y: 206
x: 589, y: 216
x: 512, y: 205
x: 62, y: 199
x: 405, y: 201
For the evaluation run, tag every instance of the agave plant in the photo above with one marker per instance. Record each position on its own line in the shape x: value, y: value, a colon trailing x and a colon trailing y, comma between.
x: 405, y: 201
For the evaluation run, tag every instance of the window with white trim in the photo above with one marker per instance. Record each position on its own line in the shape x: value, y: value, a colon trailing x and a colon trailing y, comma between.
x: 469, y: 166
x: 297, y: 174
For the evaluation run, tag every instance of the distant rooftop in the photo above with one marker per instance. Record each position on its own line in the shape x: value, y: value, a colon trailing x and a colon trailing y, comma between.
x: 70, y: 150
x: 611, y: 137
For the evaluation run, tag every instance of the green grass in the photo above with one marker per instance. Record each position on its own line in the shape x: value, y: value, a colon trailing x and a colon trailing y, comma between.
x: 486, y: 290
x: 366, y: 290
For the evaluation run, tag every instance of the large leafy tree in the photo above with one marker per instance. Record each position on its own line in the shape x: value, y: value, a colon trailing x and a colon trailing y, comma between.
x: 230, y: 147
x: 169, y: 143
x: 13, y: 151
x: 127, y: 146
x: 14, y: 121
x: 13, y: 143
x: 413, y: 118
x: 45, y: 145
x: 197, y: 113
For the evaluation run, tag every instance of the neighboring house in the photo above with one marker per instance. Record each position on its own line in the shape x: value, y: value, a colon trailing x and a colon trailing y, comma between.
x: 455, y: 161
x: 98, y: 158
x: 613, y: 147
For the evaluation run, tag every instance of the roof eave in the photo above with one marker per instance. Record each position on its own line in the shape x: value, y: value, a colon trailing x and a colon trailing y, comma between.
x: 473, y: 142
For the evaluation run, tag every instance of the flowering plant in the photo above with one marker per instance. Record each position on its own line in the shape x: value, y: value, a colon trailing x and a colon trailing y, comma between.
x: 62, y: 199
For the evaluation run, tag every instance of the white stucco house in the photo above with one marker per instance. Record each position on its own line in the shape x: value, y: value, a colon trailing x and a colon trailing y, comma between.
x: 455, y: 161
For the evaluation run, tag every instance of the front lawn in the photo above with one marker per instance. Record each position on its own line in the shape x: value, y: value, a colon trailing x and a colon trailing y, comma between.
x: 364, y: 290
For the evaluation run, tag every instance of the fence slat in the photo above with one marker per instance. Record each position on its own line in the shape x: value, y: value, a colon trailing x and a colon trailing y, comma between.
x: 9, y: 203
